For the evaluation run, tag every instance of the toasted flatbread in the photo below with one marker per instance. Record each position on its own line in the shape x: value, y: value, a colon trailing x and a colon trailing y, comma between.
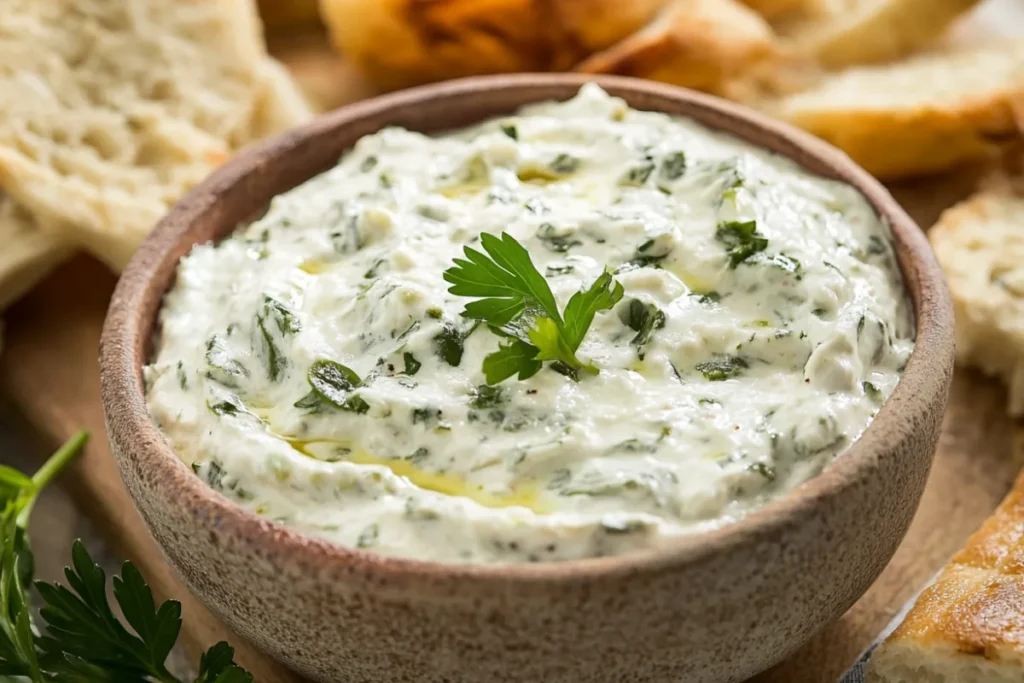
x: 702, y: 44
x: 847, y: 32
x: 30, y: 253
x: 968, y: 627
x: 775, y: 8
x: 926, y: 114
x: 288, y: 14
x: 398, y: 43
x: 980, y: 246
x: 110, y: 111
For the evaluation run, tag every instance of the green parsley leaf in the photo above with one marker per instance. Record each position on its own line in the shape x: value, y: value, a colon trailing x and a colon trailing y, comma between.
x: 502, y: 278
x: 217, y: 665
x: 741, y: 240
x: 84, y: 642
x: 516, y: 302
x: 511, y: 358
x: 584, y: 305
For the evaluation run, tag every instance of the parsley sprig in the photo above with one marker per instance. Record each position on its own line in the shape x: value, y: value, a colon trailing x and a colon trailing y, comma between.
x: 83, y: 641
x: 515, y: 301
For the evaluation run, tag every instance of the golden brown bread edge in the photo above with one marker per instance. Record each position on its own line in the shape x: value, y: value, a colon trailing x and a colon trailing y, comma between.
x: 400, y: 43
x: 700, y: 44
x: 972, y: 617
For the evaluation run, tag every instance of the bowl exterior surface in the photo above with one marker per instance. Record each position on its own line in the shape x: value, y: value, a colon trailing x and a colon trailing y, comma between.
x: 716, y: 609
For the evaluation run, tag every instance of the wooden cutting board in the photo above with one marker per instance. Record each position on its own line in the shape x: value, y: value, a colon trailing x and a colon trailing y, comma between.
x: 49, y: 369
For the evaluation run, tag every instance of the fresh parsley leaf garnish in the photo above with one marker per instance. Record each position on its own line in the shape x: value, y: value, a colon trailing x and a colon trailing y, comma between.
x: 741, y: 240
x: 515, y: 301
x: 512, y: 357
x: 83, y: 641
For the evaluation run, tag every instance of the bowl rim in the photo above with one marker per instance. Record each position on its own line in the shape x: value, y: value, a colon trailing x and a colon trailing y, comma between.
x: 122, y: 347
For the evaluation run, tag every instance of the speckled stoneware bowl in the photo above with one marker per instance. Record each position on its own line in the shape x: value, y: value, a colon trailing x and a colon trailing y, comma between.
x: 712, y: 608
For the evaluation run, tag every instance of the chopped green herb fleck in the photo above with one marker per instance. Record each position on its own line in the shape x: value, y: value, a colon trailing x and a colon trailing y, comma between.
x: 741, y: 240
x: 555, y: 270
x: 564, y: 164
x: 510, y: 130
x: 646, y: 255
x: 723, y: 368
x: 368, y: 538
x: 449, y: 344
x: 369, y: 163
x: 547, y: 233
x: 764, y: 469
x: 644, y: 319
x: 223, y: 368
x: 412, y: 366
x: 334, y: 383
x: 486, y: 396
x: 673, y: 166
x: 228, y: 405
x: 711, y: 297
x: 637, y: 175
x: 873, y: 392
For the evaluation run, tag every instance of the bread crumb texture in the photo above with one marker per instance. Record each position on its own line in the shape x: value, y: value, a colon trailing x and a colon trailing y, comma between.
x: 980, y: 246
x: 110, y: 111
x: 968, y: 627
x: 926, y: 114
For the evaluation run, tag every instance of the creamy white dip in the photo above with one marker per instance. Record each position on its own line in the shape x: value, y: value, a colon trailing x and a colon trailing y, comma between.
x: 780, y: 326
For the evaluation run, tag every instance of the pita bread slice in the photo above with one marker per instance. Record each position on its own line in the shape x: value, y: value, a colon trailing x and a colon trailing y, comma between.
x: 847, y: 32
x: 30, y: 253
x: 923, y: 115
x: 110, y: 111
x: 702, y: 44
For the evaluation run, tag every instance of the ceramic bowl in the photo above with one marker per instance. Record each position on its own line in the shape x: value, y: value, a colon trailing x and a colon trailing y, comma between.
x: 712, y: 608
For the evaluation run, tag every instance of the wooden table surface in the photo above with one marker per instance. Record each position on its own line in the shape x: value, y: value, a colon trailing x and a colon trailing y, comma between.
x: 50, y: 377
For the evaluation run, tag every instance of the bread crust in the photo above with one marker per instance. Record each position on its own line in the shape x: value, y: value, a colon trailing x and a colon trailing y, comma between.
x: 870, y: 31
x: 701, y: 44
x: 980, y: 245
x: 399, y: 43
x: 30, y: 251
x: 968, y: 626
x: 113, y: 110
x: 919, y: 116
